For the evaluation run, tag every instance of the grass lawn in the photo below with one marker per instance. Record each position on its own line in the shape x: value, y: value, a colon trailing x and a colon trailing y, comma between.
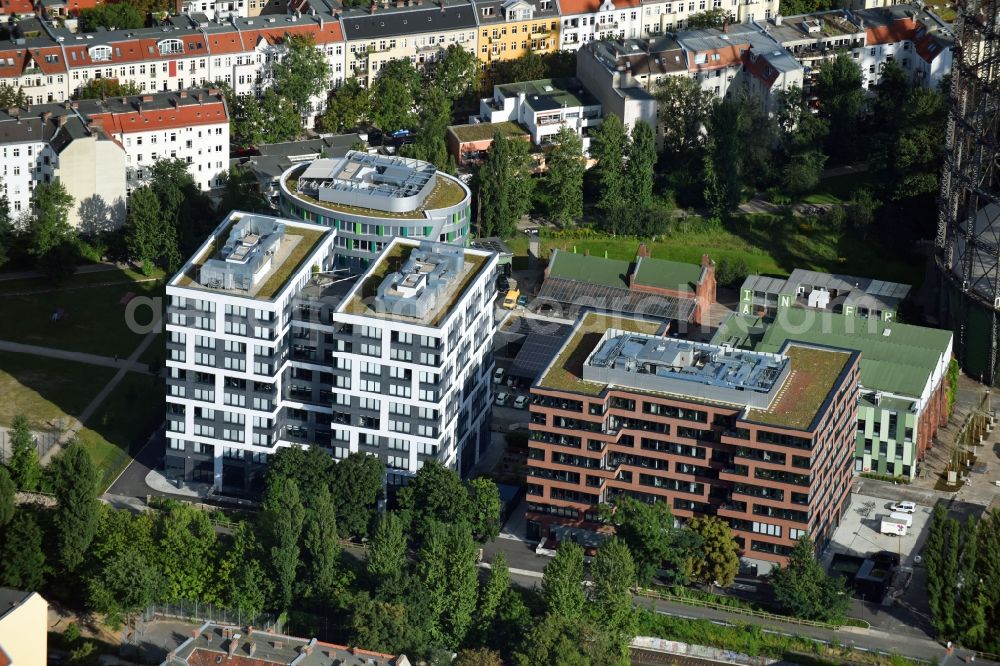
x: 838, y: 189
x: 767, y: 243
x: 93, y: 317
x: 117, y: 430
x: 45, y: 389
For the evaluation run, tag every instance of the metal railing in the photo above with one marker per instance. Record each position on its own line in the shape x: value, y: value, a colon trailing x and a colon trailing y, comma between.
x: 736, y: 610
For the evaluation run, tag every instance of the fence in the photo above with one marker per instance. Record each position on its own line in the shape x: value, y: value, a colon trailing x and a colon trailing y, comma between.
x: 200, y: 612
x: 646, y: 592
x: 44, y: 441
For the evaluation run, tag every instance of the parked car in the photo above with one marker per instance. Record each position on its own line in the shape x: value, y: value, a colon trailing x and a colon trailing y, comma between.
x: 521, y: 401
x: 503, y: 285
x: 502, y: 399
x: 522, y: 300
x: 498, y: 376
x: 903, y: 507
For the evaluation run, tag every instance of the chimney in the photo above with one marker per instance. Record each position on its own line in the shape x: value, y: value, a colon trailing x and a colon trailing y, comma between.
x: 124, y: 100
x: 74, y: 105
x: 46, y: 116
x: 201, y: 97
x: 372, y: 7
x: 705, y: 261
x: 306, y: 649
x: 184, y: 94
x: 61, y: 120
x: 253, y: 649
x: 232, y: 647
x: 643, y: 251
x: 147, y: 98
x: 195, y: 633
x: 399, y: 4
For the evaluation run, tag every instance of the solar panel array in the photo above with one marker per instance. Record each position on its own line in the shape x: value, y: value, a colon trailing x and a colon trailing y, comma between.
x: 536, y: 353
x: 611, y: 299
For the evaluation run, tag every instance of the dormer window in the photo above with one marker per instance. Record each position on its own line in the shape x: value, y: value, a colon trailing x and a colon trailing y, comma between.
x: 170, y: 46
x: 100, y: 53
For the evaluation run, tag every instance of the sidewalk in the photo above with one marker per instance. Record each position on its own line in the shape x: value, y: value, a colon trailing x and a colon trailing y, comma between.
x: 131, y: 364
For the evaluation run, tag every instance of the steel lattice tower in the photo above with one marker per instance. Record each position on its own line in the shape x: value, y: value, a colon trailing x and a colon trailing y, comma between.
x: 968, y: 235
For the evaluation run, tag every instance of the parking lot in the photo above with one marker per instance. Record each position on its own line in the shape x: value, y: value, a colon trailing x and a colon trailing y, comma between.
x: 858, y: 533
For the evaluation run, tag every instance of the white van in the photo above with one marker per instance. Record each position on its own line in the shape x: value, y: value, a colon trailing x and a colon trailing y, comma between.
x: 905, y: 518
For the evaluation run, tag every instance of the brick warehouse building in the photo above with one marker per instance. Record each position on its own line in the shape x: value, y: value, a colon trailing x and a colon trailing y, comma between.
x: 764, y: 441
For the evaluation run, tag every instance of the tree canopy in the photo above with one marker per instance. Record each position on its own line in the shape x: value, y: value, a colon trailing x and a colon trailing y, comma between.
x: 505, y: 186
x: 803, y: 588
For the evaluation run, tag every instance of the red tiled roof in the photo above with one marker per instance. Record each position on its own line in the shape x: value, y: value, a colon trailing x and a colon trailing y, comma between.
x: 928, y: 47
x: 16, y: 7
x: 897, y: 31
x: 592, y: 6
x: 184, y: 116
x: 13, y: 70
x: 759, y: 68
x: 728, y: 56
x: 74, y: 6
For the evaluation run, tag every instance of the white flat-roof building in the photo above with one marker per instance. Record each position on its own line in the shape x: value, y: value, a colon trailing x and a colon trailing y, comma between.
x: 270, y: 345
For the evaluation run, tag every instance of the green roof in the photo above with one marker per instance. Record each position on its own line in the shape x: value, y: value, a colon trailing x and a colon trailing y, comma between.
x: 666, y: 274
x: 484, y: 131
x: 900, y: 361
x: 596, y: 270
x: 549, y: 94
x: 814, y: 374
x: 565, y: 372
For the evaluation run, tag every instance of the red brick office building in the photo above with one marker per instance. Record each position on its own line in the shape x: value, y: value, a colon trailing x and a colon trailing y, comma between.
x: 765, y: 441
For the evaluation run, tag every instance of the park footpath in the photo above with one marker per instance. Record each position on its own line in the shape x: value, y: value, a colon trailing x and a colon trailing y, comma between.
x: 130, y: 364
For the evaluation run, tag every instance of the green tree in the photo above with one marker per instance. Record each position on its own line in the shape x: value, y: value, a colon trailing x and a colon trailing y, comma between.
x: 861, y: 211
x: 386, y: 559
x: 323, y: 574
x: 346, y: 108
x: 528, y: 67
x: 49, y: 225
x: 105, y: 88
x: 455, y: 72
x: 394, y: 95
x: 838, y: 87
x: 436, y: 493
x: 240, y: 191
x: 12, y: 96
x: 310, y: 467
x: 613, y: 571
x: 609, y: 144
x: 639, y: 168
x: 247, y: 585
x: 75, y: 486
x: 802, y: 174
x: 718, y: 559
x: 22, y: 560
x: 23, y: 465
x: 567, y: 642
x: 356, y: 486
x: 384, y: 626
x: 972, y: 598
x: 302, y: 73
x: 562, y: 582
x: 804, y: 590
x: 446, y: 565
x: 943, y: 552
x: 681, y: 100
x: 282, y: 517
x: 477, y: 657
x: 564, y: 177
x: 187, y: 548
x: 485, y: 507
x: 281, y: 119
x: 118, y: 16
x: 712, y: 18
x: 505, y: 186
x: 145, y: 233
x: 8, y: 236
x: 125, y: 583
x: 492, y: 595
x: 8, y: 493
x: 432, y: 123
x: 909, y: 153
x: 741, y: 137
x: 648, y: 531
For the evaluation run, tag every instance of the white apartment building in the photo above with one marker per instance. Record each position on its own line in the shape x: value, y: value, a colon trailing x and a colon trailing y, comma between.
x: 917, y: 39
x: 25, y: 157
x: 218, y: 9
x: 189, y: 125
x: 395, y: 362
x: 543, y: 108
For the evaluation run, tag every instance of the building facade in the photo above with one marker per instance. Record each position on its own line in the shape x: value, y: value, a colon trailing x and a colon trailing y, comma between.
x: 270, y: 345
x: 509, y: 29
x: 23, y: 628
x: 623, y: 411
x: 370, y: 199
x: 543, y: 108
x: 903, y: 398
